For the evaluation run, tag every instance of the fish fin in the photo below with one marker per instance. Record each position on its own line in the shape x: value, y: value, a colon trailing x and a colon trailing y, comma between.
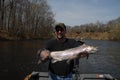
x: 87, y: 56
x: 68, y: 61
x: 54, y: 60
x: 39, y: 61
x: 70, y: 58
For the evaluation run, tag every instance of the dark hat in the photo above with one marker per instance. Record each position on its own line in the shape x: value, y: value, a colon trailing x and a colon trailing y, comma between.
x: 60, y: 25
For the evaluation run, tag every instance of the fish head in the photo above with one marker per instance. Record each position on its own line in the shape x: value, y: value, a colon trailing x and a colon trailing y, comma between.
x: 91, y: 49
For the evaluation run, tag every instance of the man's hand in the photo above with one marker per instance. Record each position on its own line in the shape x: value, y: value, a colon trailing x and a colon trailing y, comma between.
x: 44, y: 54
x: 84, y: 54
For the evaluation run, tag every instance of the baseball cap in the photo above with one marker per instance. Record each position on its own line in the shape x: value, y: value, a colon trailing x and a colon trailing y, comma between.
x: 60, y: 25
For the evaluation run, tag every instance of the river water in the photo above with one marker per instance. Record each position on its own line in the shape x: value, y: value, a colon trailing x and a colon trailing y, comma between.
x: 19, y: 58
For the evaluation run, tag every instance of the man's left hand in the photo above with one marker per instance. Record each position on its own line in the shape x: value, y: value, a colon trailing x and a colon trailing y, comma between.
x: 84, y: 54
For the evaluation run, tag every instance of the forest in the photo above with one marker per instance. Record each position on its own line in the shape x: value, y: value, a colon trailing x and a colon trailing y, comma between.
x: 25, y: 19
x: 34, y: 19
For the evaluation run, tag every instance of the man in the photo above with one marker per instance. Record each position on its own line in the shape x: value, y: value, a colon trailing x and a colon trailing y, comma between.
x: 60, y: 70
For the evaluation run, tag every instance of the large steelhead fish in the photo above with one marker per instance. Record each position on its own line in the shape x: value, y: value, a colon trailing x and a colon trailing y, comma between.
x: 71, y: 53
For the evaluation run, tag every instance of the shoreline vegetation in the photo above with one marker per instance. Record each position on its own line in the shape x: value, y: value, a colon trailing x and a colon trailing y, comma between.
x: 6, y: 36
x: 89, y: 35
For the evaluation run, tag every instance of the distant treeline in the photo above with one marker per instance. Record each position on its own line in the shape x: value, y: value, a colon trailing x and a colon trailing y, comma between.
x: 111, y: 27
x: 35, y: 19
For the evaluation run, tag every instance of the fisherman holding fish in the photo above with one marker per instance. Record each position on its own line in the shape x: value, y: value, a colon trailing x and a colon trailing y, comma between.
x: 57, y: 51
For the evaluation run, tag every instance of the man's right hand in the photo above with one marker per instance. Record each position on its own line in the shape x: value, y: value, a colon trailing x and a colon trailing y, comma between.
x: 44, y: 54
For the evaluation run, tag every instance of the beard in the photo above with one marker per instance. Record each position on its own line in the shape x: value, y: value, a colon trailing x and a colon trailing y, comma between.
x: 60, y: 36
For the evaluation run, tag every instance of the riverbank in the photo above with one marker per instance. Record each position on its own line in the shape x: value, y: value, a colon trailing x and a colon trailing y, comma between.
x: 90, y: 35
x: 4, y: 35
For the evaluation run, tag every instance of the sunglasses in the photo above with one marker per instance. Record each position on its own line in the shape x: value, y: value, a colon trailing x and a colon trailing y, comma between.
x: 59, y: 29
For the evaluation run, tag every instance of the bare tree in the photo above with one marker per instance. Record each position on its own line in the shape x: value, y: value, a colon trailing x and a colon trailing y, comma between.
x: 2, y: 2
x: 26, y: 17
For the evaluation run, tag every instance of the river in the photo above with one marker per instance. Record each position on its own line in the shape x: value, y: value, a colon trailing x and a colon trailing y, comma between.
x: 19, y: 58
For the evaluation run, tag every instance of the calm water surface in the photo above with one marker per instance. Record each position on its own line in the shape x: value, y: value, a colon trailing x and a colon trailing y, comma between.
x: 18, y: 58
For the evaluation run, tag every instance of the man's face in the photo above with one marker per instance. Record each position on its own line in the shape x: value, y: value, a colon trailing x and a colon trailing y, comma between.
x: 60, y: 32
